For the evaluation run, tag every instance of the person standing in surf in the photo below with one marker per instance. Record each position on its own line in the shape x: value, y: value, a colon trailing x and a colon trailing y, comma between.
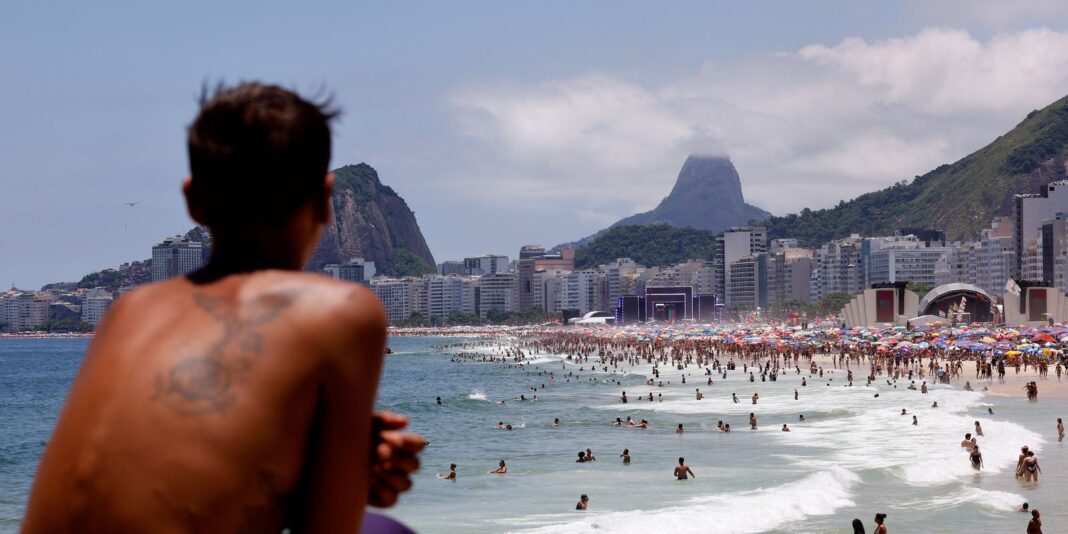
x: 682, y: 470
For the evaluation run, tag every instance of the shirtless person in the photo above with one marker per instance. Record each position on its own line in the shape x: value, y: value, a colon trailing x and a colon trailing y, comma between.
x: 682, y: 470
x: 239, y: 397
x: 1034, y: 526
x: 967, y: 443
x: 1060, y: 430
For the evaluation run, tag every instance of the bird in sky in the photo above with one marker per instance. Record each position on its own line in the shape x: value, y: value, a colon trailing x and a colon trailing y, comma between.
x: 132, y: 204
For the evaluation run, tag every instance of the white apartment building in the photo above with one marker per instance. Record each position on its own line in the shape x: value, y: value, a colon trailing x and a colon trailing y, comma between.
x: 498, y: 291
x: 580, y: 291
x: 905, y: 259
x: 95, y: 303
x: 838, y: 268
x: 398, y: 296
x: 548, y: 290
x: 447, y: 294
x: 23, y: 310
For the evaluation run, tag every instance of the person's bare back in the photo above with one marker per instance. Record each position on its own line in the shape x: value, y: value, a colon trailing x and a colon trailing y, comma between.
x: 238, y: 368
x: 240, y: 397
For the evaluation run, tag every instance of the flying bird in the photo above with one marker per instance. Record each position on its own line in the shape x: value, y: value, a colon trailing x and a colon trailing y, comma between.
x: 132, y: 204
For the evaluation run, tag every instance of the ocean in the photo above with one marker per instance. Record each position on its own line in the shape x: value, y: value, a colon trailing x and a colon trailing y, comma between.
x: 855, y: 455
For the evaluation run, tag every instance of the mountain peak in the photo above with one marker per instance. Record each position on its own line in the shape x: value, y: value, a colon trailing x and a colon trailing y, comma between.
x: 707, y: 195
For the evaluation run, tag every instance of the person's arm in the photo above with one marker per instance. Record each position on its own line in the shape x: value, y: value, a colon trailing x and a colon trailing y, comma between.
x: 691, y: 472
x: 340, y: 456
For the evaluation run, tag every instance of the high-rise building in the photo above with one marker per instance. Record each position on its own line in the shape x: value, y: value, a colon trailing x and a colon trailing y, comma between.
x: 906, y: 259
x: 580, y: 291
x: 1054, y: 246
x: 731, y: 246
x: 448, y: 294
x: 95, y: 303
x: 789, y: 275
x: 176, y: 256
x: 1031, y: 211
x: 497, y: 291
x: 487, y: 264
x: 448, y: 268
x: 24, y: 310
x: 839, y: 267
x: 355, y: 270
x: 561, y: 261
x: 400, y: 297
x: 548, y: 290
x: 747, y: 288
x: 529, y: 252
x: 996, y: 256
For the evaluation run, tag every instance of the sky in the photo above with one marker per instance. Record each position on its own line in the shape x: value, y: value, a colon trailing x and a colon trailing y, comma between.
x: 504, y: 123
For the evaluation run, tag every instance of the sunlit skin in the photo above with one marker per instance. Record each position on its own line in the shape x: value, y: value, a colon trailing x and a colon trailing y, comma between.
x: 237, y: 398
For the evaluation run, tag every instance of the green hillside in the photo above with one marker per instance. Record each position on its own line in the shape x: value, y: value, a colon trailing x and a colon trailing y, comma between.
x: 652, y: 244
x: 960, y: 198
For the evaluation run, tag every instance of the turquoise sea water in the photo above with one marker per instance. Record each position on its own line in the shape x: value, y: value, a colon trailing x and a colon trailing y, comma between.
x: 854, y: 456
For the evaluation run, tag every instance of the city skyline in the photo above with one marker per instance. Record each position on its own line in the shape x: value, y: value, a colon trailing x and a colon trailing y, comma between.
x: 566, y: 124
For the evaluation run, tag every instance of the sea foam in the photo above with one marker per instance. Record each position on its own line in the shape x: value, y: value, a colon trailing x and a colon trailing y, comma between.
x: 820, y: 493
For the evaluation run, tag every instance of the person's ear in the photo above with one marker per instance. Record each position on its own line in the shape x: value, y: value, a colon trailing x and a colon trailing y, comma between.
x: 196, y: 211
x: 325, y: 206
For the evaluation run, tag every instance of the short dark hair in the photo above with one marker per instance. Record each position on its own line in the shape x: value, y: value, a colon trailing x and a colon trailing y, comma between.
x: 257, y: 153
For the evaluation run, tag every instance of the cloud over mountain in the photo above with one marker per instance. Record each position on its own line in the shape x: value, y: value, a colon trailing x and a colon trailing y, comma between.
x: 806, y: 127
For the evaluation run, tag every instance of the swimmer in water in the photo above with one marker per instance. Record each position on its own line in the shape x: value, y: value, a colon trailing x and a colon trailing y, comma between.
x: 903, y: 412
x: 451, y: 475
x: 880, y: 527
x: 625, y: 456
x: 589, y: 455
x: 752, y: 421
x: 679, y: 429
x: 801, y: 418
x: 556, y: 422
x: 978, y: 429
x: 1060, y: 430
x: 618, y: 422
x: 583, y: 501
x: 699, y: 395
x: 1020, y: 461
x: 785, y: 428
x: 915, y: 421
x: 439, y: 401
x: 719, y: 426
x: 976, y: 458
x: 967, y: 443
x: 501, y: 469
x: 682, y: 470
x: 734, y: 397
x: 935, y: 405
x: 581, y: 457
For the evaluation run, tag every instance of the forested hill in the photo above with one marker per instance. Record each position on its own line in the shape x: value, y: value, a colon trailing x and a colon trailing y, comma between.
x: 960, y: 198
x: 649, y: 245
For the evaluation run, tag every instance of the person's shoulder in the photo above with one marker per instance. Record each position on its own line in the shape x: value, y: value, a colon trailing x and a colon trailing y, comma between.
x: 334, y: 303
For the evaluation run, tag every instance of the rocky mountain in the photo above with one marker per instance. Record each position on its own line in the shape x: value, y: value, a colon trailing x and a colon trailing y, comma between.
x: 373, y: 222
x: 959, y: 198
x: 707, y: 196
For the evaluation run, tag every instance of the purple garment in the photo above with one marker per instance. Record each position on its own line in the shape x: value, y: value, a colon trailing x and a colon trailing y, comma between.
x: 379, y: 524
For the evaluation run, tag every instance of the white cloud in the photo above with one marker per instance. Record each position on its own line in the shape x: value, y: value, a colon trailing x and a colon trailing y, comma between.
x: 805, y: 128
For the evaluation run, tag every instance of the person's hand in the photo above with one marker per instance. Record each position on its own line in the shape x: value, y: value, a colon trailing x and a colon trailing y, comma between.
x: 393, y: 458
